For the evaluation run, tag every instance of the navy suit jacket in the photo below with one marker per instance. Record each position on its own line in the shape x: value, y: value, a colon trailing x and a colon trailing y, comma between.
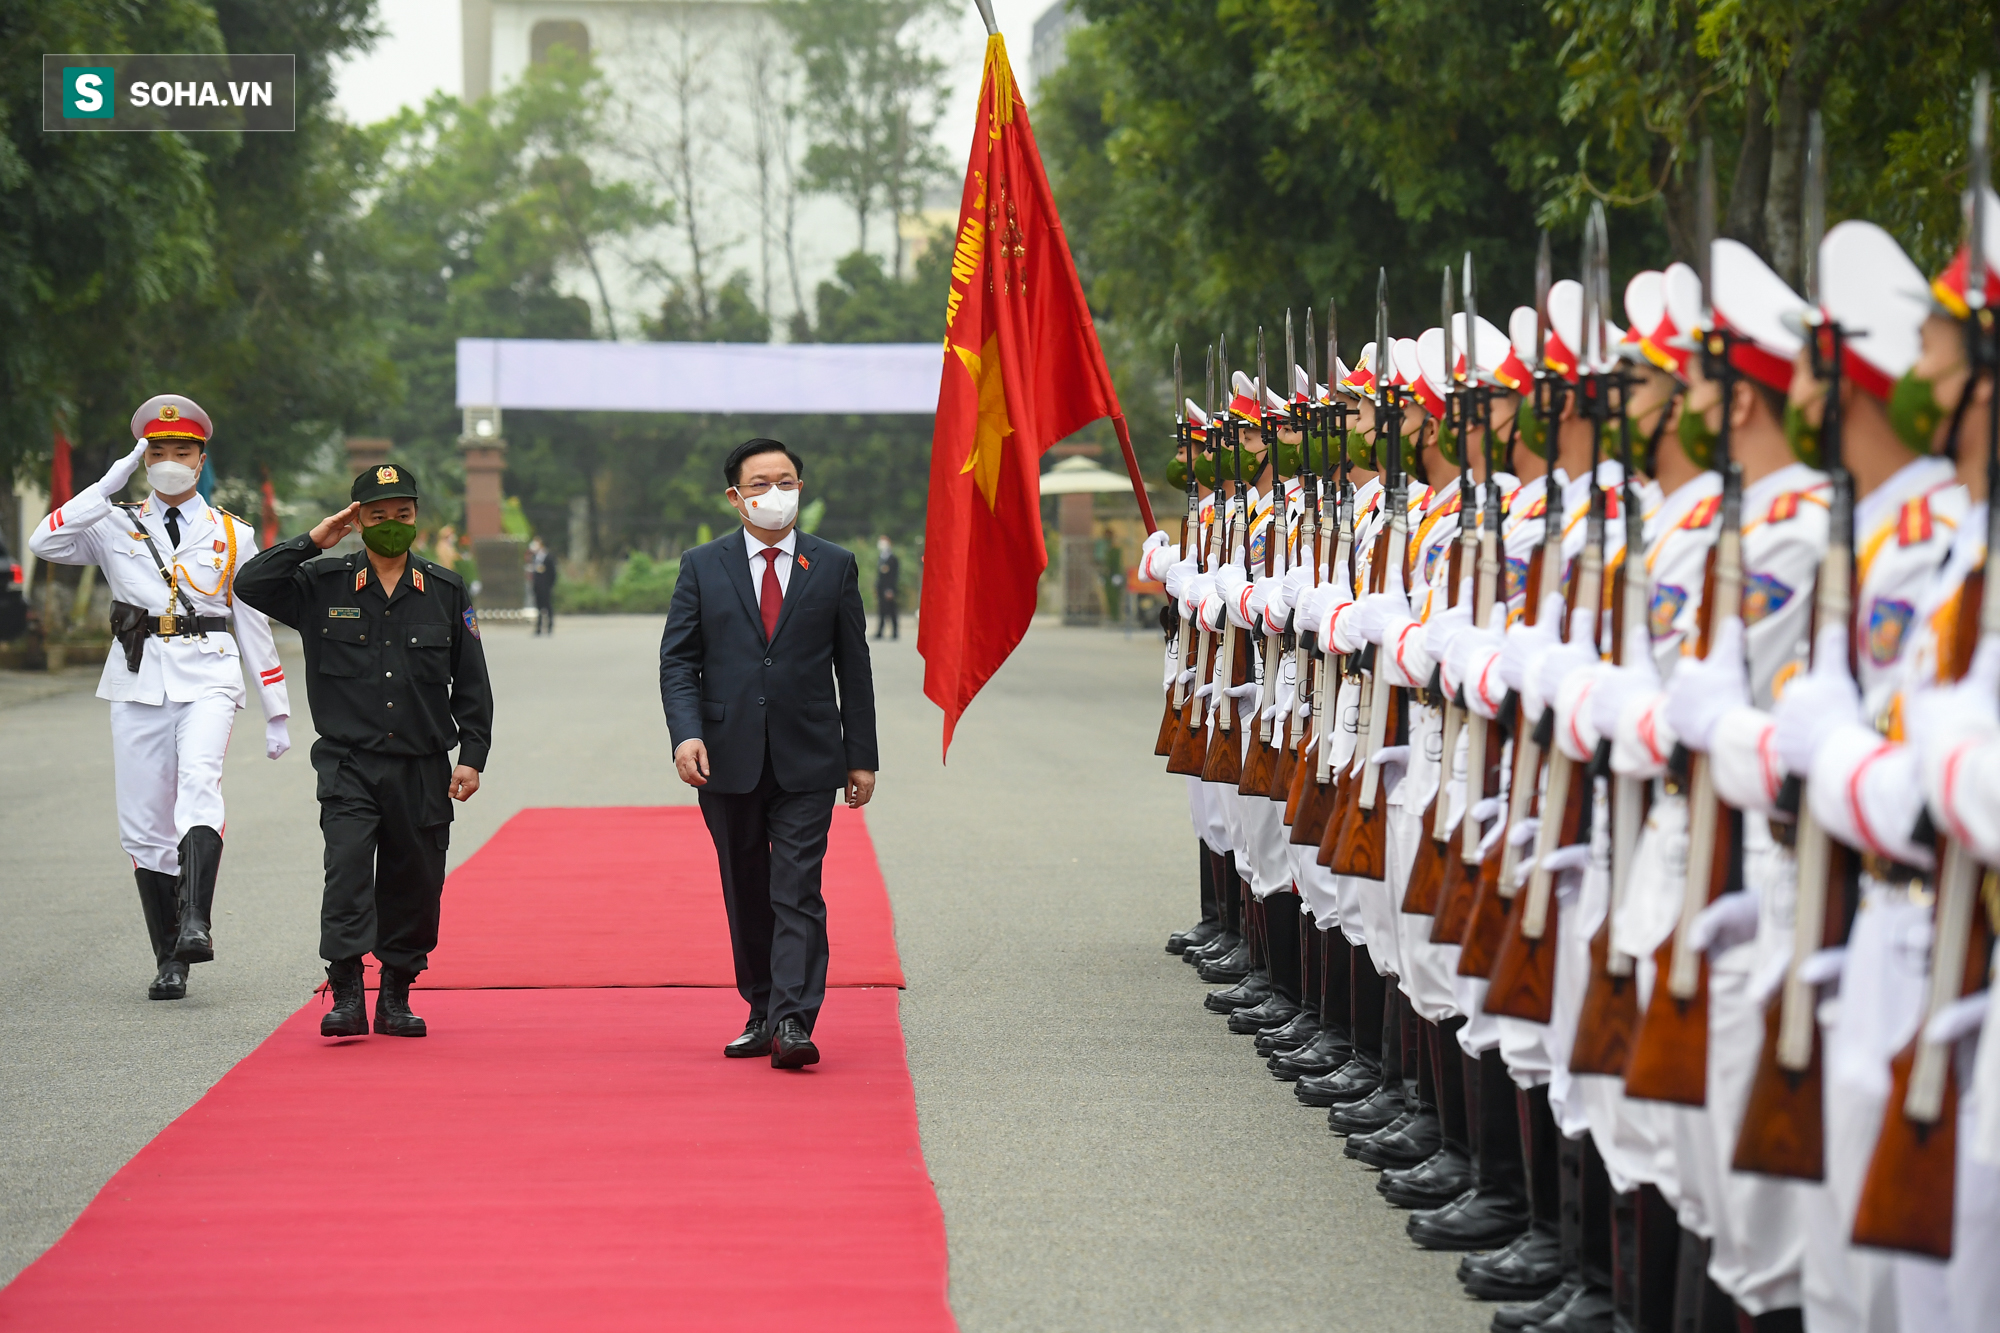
x: 722, y: 683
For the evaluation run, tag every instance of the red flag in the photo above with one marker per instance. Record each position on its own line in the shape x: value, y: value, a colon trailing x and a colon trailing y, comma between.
x: 62, y: 484
x: 1022, y: 369
x: 267, y: 529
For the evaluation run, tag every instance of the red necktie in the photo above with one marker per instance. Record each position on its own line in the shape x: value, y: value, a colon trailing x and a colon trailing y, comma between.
x: 772, y: 599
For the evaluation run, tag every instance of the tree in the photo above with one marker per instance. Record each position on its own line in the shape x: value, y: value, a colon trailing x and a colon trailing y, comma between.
x: 874, y: 95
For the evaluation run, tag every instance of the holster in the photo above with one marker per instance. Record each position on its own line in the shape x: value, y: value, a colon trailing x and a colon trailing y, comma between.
x: 129, y: 625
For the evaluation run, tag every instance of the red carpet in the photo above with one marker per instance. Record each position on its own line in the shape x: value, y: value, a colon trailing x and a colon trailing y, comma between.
x: 549, y: 1160
x: 568, y: 1150
x: 631, y: 897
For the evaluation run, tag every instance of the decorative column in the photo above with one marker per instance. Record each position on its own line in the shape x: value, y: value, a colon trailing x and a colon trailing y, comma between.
x: 502, y: 584
x: 366, y: 451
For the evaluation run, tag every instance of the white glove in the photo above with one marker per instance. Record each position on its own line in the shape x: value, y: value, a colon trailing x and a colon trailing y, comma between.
x: 1198, y: 589
x: 1230, y: 582
x: 1297, y: 582
x: 1725, y: 923
x: 1622, y: 684
x: 1212, y: 614
x: 1467, y: 646
x: 277, y: 737
x: 121, y: 471
x: 1375, y: 612
x: 1702, y: 691
x: 1156, y: 556
x: 1816, y: 704
x: 1177, y: 575
x: 1444, y: 627
x: 1951, y: 713
x: 1258, y: 603
x: 1550, y: 669
x: 1525, y: 641
x: 1336, y: 600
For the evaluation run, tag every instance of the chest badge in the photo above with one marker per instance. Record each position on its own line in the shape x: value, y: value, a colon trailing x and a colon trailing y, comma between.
x: 219, y: 546
x: 343, y: 613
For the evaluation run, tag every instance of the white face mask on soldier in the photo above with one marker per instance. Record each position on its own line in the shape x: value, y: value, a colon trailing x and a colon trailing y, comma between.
x: 171, y: 478
x: 773, y: 511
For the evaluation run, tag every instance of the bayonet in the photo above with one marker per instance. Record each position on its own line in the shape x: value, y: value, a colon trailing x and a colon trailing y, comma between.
x: 1813, y: 223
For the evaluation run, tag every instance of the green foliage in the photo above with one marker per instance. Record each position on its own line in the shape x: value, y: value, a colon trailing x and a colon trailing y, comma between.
x: 736, y: 317
x: 642, y: 586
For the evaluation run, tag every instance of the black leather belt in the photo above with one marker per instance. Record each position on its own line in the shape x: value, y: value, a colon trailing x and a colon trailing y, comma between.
x: 168, y: 627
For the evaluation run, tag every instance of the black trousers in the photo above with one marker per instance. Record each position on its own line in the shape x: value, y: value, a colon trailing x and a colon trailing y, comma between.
x: 769, y: 845
x: 545, y: 611
x: 387, y: 824
x: 885, y: 614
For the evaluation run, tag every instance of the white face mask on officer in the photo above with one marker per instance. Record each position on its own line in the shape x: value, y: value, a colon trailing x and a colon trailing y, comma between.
x: 170, y: 478
x: 773, y: 511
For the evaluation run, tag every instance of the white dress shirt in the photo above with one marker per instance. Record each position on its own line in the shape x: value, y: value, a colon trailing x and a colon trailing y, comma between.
x: 784, y: 562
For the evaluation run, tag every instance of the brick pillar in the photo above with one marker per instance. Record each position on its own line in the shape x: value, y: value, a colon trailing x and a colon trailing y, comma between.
x: 366, y: 451
x: 485, y: 459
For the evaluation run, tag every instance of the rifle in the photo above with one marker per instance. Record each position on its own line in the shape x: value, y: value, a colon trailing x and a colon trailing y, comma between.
x: 1320, y: 791
x: 1306, y: 417
x: 1224, y: 763
x: 1783, y: 1132
x: 1524, y: 973
x: 1361, y: 850
x: 1191, y: 750
x: 1908, y: 1195
x: 1170, y: 720
x: 1263, y: 760
x: 1670, y: 1053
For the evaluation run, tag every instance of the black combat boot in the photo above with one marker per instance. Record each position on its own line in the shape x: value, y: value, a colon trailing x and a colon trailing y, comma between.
x: 1496, y: 1212
x: 349, y: 1015
x: 159, y: 899
x: 392, y: 1005
x: 201, y: 857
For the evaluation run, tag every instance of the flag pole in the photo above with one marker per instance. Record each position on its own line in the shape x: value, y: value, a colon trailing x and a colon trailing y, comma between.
x: 986, y: 12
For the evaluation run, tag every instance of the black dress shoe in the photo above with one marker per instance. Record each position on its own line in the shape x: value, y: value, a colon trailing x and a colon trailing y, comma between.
x: 1476, y: 1220
x: 1224, y: 941
x: 756, y: 1039
x: 1526, y: 1269
x: 1370, y: 1111
x: 1322, y: 1055
x: 1518, y: 1318
x: 1404, y: 1143
x: 793, y: 1047
x: 1354, y: 1080
x: 1228, y: 969
x: 1268, y: 1015
x: 1432, y: 1183
x: 1590, y: 1310
x: 171, y: 983
x: 1301, y: 1030
x: 1248, y: 992
x: 1193, y: 937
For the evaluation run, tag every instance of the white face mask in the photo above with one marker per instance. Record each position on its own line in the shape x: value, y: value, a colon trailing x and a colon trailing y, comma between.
x: 773, y: 511
x: 171, y: 478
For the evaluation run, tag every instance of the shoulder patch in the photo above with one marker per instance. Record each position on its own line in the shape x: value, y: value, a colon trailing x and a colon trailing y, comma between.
x: 1887, y: 619
x: 1763, y: 596
x: 1667, y: 603
x: 1704, y: 513
x: 471, y: 622
x: 1784, y: 507
x: 1514, y: 578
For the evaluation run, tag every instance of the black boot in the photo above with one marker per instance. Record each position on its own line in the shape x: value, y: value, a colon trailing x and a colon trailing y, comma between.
x: 1435, y: 1183
x: 1531, y: 1266
x: 392, y: 1005
x: 1590, y: 1308
x: 1326, y: 1052
x: 349, y: 1015
x: 201, y: 857
x: 1301, y: 1032
x: 1209, y: 926
x: 1495, y: 1213
x: 159, y: 899
x: 1250, y: 990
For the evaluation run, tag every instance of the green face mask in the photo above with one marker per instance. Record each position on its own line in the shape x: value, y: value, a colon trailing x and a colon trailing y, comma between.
x: 1914, y: 413
x: 1697, y: 440
x: 1531, y: 432
x: 389, y: 538
x: 1802, y: 435
x: 1448, y: 446
x: 1360, y: 450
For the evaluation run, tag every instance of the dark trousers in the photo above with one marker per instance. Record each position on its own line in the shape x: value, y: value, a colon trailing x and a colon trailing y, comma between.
x: 885, y: 614
x: 545, y: 611
x: 769, y: 844
x: 387, y: 823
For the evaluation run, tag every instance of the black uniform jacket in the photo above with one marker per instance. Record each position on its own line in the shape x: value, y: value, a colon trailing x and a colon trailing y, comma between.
x: 404, y: 677
x: 723, y: 684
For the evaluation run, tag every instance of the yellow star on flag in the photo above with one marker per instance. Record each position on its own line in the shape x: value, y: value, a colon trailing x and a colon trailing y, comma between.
x: 988, y: 441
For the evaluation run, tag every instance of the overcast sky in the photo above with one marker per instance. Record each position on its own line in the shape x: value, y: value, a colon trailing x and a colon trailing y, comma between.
x: 420, y: 54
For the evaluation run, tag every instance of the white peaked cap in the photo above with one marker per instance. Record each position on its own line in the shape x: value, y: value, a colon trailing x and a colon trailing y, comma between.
x: 1645, y: 311
x: 1195, y: 414
x: 1754, y: 301
x: 1491, y: 352
x: 1876, y: 294
x: 1566, y: 323
x: 1521, y: 332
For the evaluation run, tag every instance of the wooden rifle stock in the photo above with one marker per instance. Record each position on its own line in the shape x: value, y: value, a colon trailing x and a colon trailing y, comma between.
x: 1191, y: 750
x: 1427, y: 872
x: 1362, y: 851
x: 1224, y: 761
x: 1462, y: 869
x: 1170, y: 718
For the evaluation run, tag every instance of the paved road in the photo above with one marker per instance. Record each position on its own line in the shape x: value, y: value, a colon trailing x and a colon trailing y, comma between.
x: 1107, y: 1156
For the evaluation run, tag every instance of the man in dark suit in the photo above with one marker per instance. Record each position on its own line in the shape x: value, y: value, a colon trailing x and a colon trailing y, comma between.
x: 762, y: 623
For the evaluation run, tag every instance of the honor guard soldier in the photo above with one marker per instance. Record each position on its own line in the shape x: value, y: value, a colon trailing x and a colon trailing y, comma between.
x: 174, y: 676
x: 397, y: 677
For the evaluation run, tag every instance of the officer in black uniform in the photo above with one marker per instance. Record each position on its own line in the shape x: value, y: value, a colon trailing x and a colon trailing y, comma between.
x: 396, y: 677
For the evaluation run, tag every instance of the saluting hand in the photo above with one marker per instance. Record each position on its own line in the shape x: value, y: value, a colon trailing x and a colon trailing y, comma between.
x: 332, y: 528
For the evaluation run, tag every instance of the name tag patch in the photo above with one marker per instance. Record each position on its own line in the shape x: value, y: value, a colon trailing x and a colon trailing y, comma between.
x: 344, y: 612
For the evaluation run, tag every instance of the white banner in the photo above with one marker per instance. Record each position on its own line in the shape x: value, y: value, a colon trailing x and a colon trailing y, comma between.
x: 753, y: 378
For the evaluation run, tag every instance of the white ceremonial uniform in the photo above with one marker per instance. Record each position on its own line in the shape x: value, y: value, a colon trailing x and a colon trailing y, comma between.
x: 170, y: 720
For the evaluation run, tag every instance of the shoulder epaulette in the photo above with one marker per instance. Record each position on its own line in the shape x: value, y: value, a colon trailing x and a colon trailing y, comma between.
x: 1913, y: 523
x: 1703, y: 513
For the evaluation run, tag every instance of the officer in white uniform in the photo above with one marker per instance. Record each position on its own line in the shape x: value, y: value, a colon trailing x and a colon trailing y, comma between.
x: 174, y: 678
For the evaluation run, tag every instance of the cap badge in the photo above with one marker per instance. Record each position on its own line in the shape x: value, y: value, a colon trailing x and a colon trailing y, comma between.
x: 170, y: 413
x: 386, y: 476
